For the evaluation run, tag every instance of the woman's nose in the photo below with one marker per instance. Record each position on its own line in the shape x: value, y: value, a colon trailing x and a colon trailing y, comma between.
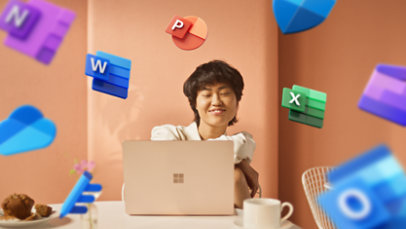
x: 215, y: 100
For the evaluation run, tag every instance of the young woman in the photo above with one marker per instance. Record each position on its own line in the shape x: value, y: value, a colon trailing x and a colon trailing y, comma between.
x: 214, y: 90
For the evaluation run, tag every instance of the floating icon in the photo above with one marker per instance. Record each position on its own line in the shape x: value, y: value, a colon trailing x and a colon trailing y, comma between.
x: 305, y: 105
x: 385, y: 93
x: 188, y: 33
x: 26, y: 129
x: 111, y: 74
x: 36, y: 28
x: 298, y: 15
x: 76, y: 196
x: 367, y: 192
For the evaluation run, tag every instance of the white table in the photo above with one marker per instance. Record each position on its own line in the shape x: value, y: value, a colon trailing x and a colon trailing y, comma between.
x: 111, y: 215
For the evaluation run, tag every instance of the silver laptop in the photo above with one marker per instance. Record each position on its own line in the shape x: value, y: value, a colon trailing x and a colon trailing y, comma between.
x: 178, y: 177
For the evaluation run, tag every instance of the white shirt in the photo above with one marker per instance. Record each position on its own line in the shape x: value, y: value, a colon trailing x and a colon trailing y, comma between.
x: 244, y: 144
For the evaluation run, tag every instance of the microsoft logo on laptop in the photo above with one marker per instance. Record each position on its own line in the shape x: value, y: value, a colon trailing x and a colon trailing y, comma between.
x: 178, y: 178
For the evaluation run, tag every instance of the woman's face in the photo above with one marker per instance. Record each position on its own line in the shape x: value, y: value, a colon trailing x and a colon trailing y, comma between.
x: 216, y: 104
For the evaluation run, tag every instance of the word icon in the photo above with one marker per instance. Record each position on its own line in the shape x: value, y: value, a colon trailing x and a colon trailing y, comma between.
x: 35, y: 28
x: 111, y: 74
x: 26, y: 129
x: 305, y: 105
x: 76, y: 195
x: 367, y: 192
x: 188, y: 33
x: 299, y: 15
x: 385, y: 94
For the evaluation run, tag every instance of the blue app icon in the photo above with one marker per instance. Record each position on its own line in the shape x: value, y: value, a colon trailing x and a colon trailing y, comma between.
x: 111, y: 74
x: 368, y: 191
x: 26, y: 129
x: 353, y: 205
x: 298, y: 15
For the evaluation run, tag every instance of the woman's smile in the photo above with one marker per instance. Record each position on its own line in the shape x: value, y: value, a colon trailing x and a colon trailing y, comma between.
x: 217, y: 111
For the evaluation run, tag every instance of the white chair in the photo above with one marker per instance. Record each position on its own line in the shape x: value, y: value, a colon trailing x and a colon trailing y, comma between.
x: 314, y: 182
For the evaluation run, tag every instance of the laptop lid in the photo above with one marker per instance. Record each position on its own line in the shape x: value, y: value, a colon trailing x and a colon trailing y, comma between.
x: 178, y: 177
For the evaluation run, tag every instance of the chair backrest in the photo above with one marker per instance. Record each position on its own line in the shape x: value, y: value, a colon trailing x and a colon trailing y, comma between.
x: 314, y: 182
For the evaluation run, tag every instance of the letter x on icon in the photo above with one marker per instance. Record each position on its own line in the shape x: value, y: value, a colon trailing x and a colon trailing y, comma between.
x: 295, y: 98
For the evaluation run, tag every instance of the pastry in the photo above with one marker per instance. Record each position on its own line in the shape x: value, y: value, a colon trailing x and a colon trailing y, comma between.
x: 43, y: 210
x: 18, y: 205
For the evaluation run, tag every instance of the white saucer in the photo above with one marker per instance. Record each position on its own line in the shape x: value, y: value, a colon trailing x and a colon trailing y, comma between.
x: 27, y: 224
x: 285, y: 225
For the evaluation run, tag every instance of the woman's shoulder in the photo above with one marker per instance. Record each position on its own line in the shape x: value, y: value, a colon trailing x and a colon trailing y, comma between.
x: 244, y: 136
x: 166, y: 132
x: 173, y: 132
x: 165, y: 127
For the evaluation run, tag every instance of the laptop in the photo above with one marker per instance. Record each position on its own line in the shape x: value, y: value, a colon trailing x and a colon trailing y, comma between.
x: 178, y: 177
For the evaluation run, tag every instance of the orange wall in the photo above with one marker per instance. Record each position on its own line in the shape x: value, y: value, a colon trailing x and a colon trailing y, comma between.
x: 338, y: 58
x: 242, y: 33
x: 59, y: 91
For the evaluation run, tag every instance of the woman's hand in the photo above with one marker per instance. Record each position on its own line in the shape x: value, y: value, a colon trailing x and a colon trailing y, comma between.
x: 250, y: 175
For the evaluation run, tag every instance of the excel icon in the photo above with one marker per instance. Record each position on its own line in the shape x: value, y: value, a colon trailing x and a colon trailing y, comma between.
x: 305, y: 105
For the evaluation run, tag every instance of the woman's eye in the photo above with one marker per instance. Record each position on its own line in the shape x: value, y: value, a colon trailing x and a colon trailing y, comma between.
x: 225, y: 93
x: 206, y: 95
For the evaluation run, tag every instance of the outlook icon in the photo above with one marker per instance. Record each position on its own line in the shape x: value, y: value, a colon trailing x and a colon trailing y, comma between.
x: 367, y: 192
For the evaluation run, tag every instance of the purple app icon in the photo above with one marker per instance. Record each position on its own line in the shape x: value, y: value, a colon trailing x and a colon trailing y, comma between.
x: 47, y: 25
x: 385, y: 94
x: 19, y: 19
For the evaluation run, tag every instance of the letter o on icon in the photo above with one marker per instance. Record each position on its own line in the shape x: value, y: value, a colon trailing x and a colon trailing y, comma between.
x: 347, y: 210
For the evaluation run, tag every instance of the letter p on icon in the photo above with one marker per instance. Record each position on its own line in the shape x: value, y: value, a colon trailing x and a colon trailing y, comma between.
x: 178, y: 27
x: 178, y: 24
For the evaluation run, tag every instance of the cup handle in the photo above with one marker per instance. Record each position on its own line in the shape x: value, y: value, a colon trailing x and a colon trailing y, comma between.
x: 287, y: 204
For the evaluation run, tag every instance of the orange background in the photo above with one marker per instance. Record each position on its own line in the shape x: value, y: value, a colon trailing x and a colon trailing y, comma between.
x: 336, y: 57
x: 59, y: 91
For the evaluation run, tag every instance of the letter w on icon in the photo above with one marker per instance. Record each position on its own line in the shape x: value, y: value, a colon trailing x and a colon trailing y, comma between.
x: 19, y: 18
x: 98, y: 65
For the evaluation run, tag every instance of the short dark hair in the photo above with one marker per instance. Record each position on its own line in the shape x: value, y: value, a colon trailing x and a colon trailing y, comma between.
x: 215, y: 71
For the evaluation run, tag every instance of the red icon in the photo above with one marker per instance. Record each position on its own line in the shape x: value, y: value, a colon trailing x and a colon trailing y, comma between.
x: 188, y: 33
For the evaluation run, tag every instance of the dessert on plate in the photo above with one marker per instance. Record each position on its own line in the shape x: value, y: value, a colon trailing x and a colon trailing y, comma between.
x: 20, y: 206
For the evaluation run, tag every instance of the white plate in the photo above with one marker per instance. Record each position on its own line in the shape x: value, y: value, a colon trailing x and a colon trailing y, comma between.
x: 22, y: 223
x: 286, y: 224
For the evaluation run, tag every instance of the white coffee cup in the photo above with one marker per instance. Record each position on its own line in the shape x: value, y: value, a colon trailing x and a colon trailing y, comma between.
x: 264, y: 213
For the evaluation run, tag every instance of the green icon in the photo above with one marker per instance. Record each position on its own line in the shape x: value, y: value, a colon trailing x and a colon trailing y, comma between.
x: 306, y: 105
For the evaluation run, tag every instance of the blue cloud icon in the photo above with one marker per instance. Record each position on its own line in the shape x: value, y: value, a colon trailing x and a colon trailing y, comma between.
x: 26, y: 129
